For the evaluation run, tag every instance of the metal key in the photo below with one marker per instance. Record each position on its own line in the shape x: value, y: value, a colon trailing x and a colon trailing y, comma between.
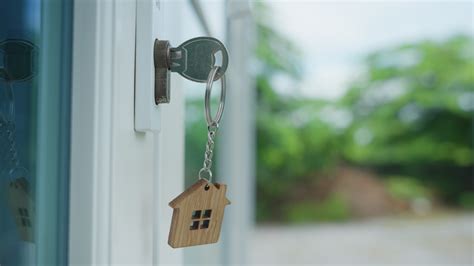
x: 194, y: 59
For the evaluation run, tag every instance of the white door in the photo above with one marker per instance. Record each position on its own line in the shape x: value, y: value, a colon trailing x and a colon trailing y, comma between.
x: 121, y: 178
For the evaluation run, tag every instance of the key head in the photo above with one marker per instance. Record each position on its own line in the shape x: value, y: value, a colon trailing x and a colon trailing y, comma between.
x: 195, y: 58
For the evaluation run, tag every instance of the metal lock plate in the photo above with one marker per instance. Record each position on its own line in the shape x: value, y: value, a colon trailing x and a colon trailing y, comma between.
x: 162, y: 74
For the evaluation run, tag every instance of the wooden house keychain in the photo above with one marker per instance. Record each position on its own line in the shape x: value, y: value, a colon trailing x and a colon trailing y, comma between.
x: 199, y: 210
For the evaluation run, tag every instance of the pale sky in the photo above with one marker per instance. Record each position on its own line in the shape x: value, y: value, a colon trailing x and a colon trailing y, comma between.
x: 335, y: 36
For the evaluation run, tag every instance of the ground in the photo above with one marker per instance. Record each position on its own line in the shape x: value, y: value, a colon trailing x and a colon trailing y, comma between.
x: 439, y: 240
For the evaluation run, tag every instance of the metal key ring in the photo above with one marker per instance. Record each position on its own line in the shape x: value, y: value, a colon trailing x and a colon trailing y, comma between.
x: 207, y: 100
x: 207, y: 172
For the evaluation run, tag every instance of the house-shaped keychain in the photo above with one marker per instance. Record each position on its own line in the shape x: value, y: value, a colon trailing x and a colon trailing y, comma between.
x: 21, y: 206
x: 198, y: 214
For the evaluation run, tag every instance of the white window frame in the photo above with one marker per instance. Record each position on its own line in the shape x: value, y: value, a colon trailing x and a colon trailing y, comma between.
x: 121, y: 180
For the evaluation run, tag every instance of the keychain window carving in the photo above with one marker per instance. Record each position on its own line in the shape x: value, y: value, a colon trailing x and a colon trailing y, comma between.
x: 25, y: 218
x: 198, y: 219
x: 196, y: 214
x: 205, y: 224
x: 194, y: 225
x: 207, y: 214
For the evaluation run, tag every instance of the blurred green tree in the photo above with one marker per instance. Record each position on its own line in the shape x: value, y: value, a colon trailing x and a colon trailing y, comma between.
x: 413, y: 113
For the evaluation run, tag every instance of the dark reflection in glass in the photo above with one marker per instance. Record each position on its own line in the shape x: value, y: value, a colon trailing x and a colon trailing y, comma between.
x: 19, y: 32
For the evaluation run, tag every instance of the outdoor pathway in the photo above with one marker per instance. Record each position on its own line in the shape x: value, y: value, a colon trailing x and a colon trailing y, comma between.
x: 443, y: 240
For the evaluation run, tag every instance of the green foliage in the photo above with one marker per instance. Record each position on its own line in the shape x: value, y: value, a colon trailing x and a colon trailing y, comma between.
x: 334, y: 208
x: 410, y: 114
x: 406, y: 188
x: 416, y: 105
x: 466, y: 200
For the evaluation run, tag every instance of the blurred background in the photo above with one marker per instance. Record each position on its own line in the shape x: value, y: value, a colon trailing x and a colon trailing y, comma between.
x: 364, y: 132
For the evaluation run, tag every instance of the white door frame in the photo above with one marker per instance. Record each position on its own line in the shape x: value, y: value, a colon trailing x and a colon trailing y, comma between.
x: 121, y: 180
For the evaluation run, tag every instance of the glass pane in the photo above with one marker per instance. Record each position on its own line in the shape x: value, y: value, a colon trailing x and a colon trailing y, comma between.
x: 26, y: 115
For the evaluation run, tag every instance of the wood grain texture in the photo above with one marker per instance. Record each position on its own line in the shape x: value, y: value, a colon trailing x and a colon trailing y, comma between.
x: 202, y: 198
